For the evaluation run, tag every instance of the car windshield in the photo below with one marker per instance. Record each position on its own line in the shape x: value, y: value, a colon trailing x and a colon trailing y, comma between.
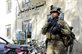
x: 2, y: 41
x: 6, y: 40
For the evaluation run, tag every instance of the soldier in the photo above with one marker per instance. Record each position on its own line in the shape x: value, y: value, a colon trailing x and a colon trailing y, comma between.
x: 51, y: 29
x: 57, y: 31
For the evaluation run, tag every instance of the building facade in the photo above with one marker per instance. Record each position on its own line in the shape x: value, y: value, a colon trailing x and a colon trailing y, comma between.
x: 7, y: 18
x: 32, y: 14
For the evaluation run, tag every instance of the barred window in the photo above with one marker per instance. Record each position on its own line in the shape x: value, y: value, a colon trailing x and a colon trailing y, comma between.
x: 9, y: 4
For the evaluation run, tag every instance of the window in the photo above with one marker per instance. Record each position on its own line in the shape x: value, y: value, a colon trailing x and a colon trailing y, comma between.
x: 27, y: 27
x: 8, y: 30
x: 9, y: 4
x: 26, y: 1
x: 2, y: 41
x: 29, y: 30
x: 23, y: 4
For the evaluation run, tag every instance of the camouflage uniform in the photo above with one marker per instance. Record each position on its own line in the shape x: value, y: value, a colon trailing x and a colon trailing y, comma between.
x: 55, y: 44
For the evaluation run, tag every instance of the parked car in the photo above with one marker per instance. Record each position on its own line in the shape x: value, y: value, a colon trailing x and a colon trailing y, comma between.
x: 3, y: 45
x: 12, y: 48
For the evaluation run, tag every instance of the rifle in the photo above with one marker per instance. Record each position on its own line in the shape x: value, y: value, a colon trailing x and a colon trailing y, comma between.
x: 68, y: 39
x: 54, y: 26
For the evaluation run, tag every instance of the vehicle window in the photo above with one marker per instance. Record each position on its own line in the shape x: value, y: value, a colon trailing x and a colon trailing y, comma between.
x: 2, y: 41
